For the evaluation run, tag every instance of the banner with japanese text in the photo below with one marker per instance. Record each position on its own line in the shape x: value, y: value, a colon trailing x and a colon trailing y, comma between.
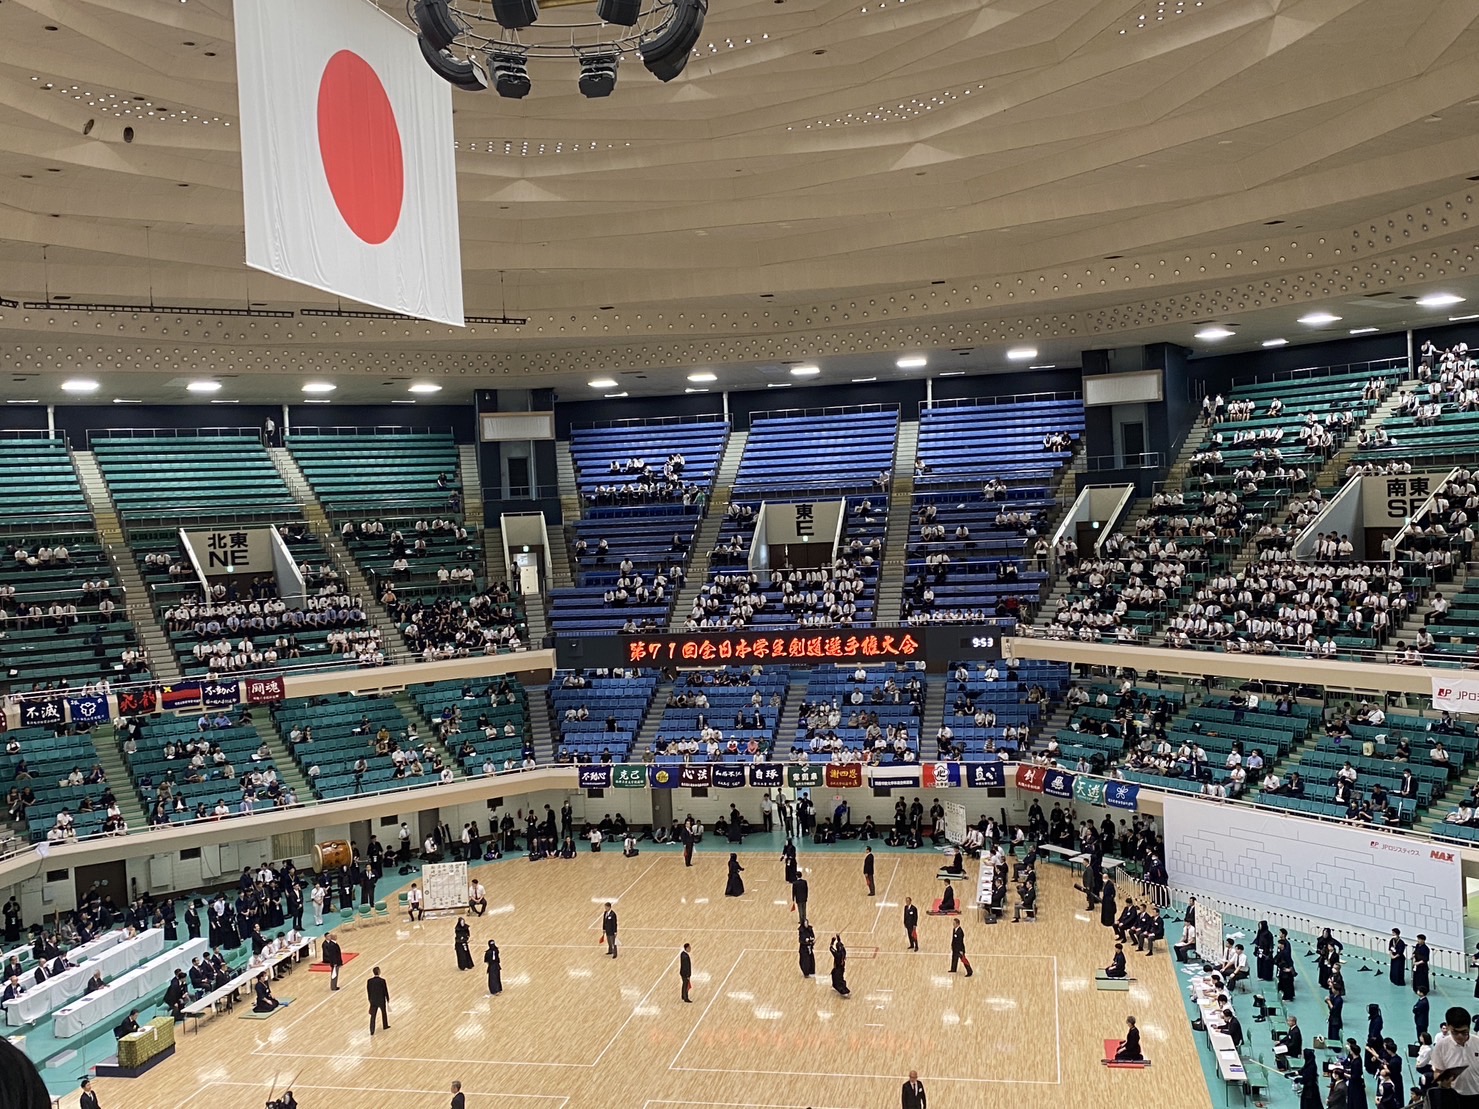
x: 219, y: 694
x: 179, y: 695
x: 729, y: 775
x: 767, y: 775
x: 262, y: 691
x: 804, y: 776
x: 1088, y: 790
x: 896, y: 777
x: 941, y: 775
x: 42, y: 712
x: 1031, y: 777
x: 629, y: 777
x: 846, y: 776
x: 1058, y: 784
x: 88, y: 709
x: 138, y: 700
x: 663, y: 777
x: 986, y: 775
x: 699, y: 775
x: 878, y: 645
x: 1123, y: 795
x: 594, y: 776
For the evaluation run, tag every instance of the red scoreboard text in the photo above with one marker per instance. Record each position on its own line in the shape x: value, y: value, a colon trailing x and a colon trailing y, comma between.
x: 873, y: 645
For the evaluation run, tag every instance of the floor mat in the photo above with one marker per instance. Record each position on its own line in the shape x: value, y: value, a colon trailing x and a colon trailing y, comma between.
x: 349, y: 957
x: 1110, y: 1047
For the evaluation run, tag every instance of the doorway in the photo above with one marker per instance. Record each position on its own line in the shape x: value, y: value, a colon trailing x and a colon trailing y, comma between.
x: 1132, y: 444
x: 109, y: 879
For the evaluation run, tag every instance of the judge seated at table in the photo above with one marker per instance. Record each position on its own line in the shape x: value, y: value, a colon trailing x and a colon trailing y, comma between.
x: 128, y: 1026
x: 13, y: 990
x: 95, y: 983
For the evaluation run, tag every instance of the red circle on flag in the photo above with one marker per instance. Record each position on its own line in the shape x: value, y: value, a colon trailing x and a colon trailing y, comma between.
x: 360, y: 145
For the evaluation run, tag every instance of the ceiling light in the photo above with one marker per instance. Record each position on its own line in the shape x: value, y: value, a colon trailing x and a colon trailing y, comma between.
x: 1276, y: 342
x: 403, y: 402
x: 613, y: 396
x: 863, y: 380
x: 777, y: 384
x: 805, y: 371
x: 125, y: 400
x: 703, y: 377
x: 1214, y: 333
x: 23, y: 402
x: 1022, y: 354
x: 80, y: 385
x: 1319, y: 319
x: 912, y: 362
x: 233, y: 400
x: 424, y: 387
x: 319, y: 401
x: 1461, y: 319
x: 204, y: 387
x: 1364, y: 330
x: 691, y: 389
x: 1439, y: 300
x: 603, y: 383
x: 319, y: 386
x: 954, y: 373
x: 1044, y: 366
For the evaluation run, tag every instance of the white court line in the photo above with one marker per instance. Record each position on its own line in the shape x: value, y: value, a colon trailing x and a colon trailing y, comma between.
x: 328, y: 995
x: 1057, y: 1023
x: 563, y: 1099
x: 890, y: 1075
x: 713, y: 997
x: 615, y: 901
x: 883, y: 901
x: 617, y: 1034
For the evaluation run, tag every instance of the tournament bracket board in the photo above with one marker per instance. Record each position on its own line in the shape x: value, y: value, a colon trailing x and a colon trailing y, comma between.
x: 444, y: 885
x: 1209, y: 933
x: 954, y: 822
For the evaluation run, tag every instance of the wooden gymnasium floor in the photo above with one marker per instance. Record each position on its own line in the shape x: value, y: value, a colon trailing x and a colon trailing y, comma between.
x: 576, y: 1029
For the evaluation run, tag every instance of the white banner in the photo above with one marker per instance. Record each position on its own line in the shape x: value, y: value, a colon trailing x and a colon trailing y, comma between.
x: 347, y: 160
x: 1392, y: 501
x: 1330, y: 872
x: 1455, y: 694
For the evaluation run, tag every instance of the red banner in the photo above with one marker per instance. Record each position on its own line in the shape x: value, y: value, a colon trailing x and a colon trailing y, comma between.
x: 262, y: 691
x: 848, y: 775
x: 875, y: 645
x: 1031, y: 778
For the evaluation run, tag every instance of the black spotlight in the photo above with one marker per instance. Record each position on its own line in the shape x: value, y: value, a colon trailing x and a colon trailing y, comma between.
x: 469, y: 74
x: 509, y: 66
x: 437, y: 23
x: 598, y: 73
x: 623, y: 13
x: 516, y: 14
x: 667, y: 52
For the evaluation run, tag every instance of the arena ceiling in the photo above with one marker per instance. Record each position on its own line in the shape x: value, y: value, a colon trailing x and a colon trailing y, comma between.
x: 831, y: 181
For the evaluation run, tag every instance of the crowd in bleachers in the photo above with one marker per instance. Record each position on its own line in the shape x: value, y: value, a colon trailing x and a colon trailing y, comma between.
x: 450, y: 627
x: 749, y: 701
x: 598, y: 712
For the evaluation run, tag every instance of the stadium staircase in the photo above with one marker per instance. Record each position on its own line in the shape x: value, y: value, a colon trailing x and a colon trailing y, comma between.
x: 424, y: 727
x: 652, y: 722
x: 396, y: 648
x: 1332, y: 476
x: 896, y: 539
x: 563, y: 560
x: 110, y: 757
x: 137, y: 603
x: 472, y: 486
x: 708, y: 531
x: 287, y: 767
x: 542, y: 730
x: 936, y: 690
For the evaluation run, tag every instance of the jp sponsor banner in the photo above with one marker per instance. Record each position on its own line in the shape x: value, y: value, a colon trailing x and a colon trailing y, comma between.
x: 594, y: 777
x: 940, y: 775
x: 767, y: 775
x: 729, y: 775
x: 804, y: 776
x: 663, y: 777
x: 180, y: 695
x: 1031, y: 778
x: 1057, y: 784
x: 1088, y: 790
x: 138, y: 700
x: 262, y: 691
x: 696, y: 775
x: 220, y: 695
x: 88, y: 709
x: 847, y: 776
x: 986, y: 775
x: 1455, y: 694
x: 1333, y: 873
x: 42, y: 712
x: 629, y: 777
x: 1123, y: 795
x: 900, y: 777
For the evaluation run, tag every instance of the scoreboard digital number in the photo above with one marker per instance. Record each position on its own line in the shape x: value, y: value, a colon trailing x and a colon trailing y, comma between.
x: 979, y: 642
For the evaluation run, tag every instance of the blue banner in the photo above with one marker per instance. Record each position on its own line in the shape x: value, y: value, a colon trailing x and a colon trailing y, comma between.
x: 1058, y: 784
x: 88, y: 709
x: 903, y: 777
x: 987, y: 775
x: 41, y: 712
x: 729, y: 775
x: 663, y: 777
x: 180, y: 695
x: 1123, y: 795
x: 220, y: 695
x: 594, y: 776
x: 767, y: 775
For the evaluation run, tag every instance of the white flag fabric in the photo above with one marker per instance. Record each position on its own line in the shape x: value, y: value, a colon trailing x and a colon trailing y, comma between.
x: 347, y: 162
x: 1455, y: 694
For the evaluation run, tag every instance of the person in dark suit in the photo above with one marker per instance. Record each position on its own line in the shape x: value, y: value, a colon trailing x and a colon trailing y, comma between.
x: 88, y: 1100
x: 494, y: 963
x: 608, y: 929
x: 687, y: 837
x: 1129, y: 1049
x: 801, y: 890
x: 378, y: 991
x: 911, y: 923
x: 957, y: 951
x: 192, y: 920
x: 913, y: 1096
x: 458, y: 1101
x: 128, y: 1026
x: 868, y: 869
x: 333, y: 956
x: 685, y: 969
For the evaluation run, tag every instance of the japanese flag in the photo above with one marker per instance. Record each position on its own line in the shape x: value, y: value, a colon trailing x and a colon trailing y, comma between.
x: 347, y: 161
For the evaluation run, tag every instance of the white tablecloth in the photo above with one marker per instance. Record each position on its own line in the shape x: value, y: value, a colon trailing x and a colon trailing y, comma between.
x: 110, y: 953
x: 154, y: 975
